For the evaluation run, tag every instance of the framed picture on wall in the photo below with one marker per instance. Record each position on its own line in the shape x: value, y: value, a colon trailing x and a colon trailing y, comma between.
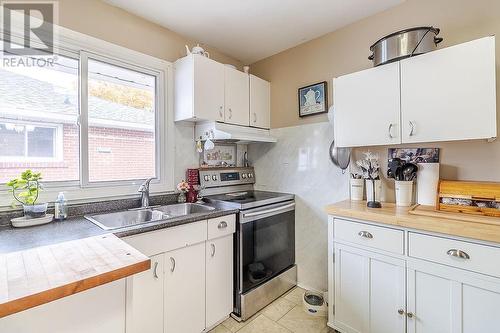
x: 313, y: 99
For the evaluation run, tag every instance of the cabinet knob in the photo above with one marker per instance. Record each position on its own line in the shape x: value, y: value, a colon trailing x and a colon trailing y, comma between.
x: 365, y: 234
x: 458, y: 254
x: 409, y: 314
x: 401, y: 311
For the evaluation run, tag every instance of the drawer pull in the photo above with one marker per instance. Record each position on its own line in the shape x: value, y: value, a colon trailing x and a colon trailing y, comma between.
x: 458, y: 254
x: 365, y: 234
x: 213, y: 250
x: 172, y: 264
x: 222, y: 225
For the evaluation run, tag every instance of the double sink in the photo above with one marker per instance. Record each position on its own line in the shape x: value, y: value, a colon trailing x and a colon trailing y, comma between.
x: 140, y: 216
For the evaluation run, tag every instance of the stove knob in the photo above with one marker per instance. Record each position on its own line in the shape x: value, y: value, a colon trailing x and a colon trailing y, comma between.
x: 244, y: 175
x: 250, y: 175
x: 214, y: 177
x: 207, y: 178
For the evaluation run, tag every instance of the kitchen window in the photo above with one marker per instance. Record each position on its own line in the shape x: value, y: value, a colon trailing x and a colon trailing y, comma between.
x: 95, y: 123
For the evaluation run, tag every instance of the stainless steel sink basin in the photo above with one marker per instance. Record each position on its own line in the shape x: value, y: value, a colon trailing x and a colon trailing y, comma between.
x: 129, y: 218
x: 184, y: 209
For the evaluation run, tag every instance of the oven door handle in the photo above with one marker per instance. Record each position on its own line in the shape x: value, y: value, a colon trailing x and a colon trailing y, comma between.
x: 267, y: 211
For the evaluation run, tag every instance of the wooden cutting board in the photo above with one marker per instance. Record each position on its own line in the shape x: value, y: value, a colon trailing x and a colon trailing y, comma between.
x: 432, y: 212
x: 40, y: 275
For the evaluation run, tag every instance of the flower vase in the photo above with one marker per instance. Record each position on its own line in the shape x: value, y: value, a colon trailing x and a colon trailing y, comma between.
x: 35, y: 211
x: 181, y: 198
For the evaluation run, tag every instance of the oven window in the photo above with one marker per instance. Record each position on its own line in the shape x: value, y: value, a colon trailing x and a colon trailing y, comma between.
x: 268, y: 248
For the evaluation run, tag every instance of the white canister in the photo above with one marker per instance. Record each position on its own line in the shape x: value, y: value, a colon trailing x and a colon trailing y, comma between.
x: 369, y: 190
x: 357, y: 189
x: 404, y: 193
x: 427, y: 183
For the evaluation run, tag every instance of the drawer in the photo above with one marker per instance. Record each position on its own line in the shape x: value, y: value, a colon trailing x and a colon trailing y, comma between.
x: 155, y: 242
x: 473, y: 257
x: 386, y: 239
x: 221, y: 226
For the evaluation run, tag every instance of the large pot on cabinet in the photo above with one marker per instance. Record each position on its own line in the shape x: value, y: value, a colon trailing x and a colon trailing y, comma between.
x: 403, y: 44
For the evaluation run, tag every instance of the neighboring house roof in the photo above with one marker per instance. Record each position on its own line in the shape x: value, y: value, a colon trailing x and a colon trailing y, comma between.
x: 43, y: 101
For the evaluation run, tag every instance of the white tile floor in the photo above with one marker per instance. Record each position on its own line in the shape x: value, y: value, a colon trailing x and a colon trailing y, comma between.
x: 285, y: 315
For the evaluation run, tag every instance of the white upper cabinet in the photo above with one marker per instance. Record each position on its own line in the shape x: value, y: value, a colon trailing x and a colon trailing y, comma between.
x: 199, y: 89
x: 237, y: 97
x: 450, y: 94
x: 367, y: 107
x: 444, y: 95
x: 260, y: 102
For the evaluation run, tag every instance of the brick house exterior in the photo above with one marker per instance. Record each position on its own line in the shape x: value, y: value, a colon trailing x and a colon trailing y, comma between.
x: 121, y: 138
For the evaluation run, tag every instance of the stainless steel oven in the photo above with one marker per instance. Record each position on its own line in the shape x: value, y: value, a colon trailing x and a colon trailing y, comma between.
x: 265, y: 238
x: 264, y: 242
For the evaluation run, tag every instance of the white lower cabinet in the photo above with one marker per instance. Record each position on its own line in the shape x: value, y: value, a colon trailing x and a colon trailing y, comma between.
x: 190, y: 284
x: 369, y: 292
x: 145, y: 299
x: 219, y: 279
x: 185, y: 290
x: 375, y: 291
x: 447, y: 300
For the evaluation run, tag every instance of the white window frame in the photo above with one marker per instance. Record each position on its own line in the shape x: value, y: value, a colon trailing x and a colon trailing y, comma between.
x: 58, y: 143
x: 77, y: 45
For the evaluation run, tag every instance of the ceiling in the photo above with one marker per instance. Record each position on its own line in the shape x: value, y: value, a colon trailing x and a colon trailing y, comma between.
x: 250, y: 30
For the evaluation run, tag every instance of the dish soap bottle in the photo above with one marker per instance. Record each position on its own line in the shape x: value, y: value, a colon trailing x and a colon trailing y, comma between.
x: 60, y: 207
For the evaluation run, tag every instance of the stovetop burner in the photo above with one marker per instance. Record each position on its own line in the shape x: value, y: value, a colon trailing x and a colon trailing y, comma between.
x: 250, y: 199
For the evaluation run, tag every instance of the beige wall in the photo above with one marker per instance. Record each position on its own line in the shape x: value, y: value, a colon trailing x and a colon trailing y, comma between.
x: 346, y: 50
x: 112, y: 24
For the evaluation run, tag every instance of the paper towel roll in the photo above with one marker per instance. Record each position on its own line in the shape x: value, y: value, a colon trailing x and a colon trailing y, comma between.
x: 427, y: 183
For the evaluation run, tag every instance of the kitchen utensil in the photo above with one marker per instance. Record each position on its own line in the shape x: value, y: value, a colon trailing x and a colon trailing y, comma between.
x: 403, y: 44
x: 409, y: 171
x: 341, y: 157
x: 393, y: 166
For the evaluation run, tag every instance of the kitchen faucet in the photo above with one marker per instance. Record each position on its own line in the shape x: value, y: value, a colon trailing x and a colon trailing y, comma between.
x: 144, y: 190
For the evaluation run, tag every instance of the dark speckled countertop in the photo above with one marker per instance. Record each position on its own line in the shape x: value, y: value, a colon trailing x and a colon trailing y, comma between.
x: 18, y: 239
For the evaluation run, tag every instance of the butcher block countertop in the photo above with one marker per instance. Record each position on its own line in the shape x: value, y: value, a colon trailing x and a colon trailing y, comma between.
x: 398, y: 216
x: 43, y: 274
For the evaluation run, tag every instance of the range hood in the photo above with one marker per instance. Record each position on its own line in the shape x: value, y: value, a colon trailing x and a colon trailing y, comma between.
x: 234, y: 133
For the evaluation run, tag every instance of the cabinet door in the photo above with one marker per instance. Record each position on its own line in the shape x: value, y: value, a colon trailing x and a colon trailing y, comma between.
x: 145, y: 299
x: 449, y: 94
x: 260, y: 102
x: 237, y: 97
x: 208, y: 89
x: 369, y: 292
x: 442, y: 299
x: 367, y: 108
x: 185, y: 289
x: 219, y: 279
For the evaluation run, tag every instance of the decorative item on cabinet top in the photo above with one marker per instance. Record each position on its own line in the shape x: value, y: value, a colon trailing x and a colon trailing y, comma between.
x: 313, y: 99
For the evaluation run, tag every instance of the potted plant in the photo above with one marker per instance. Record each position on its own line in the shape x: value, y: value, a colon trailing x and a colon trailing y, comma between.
x: 25, y: 189
x: 371, y: 168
